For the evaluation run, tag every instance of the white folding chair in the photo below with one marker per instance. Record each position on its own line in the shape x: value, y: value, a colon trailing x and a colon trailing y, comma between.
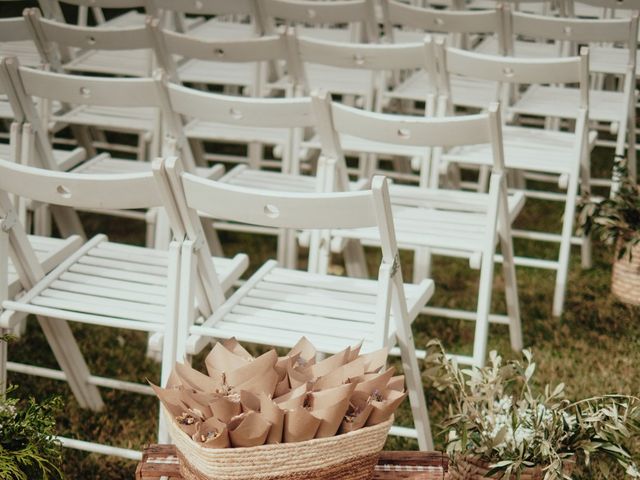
x: 100, y: 283
x: 276, y: 306
x: 432, y: 221
x: 536, y: 153
x: 465, y: 92
x: 612, y: 110
x: 16, y: 41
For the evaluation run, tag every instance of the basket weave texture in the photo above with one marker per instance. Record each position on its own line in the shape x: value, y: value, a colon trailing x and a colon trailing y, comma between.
x: 472, y: 468
x: 351, y: 456
x: 625, y: 280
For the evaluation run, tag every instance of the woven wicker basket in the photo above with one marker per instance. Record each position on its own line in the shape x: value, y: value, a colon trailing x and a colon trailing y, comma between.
x: 625, y: 279
x: 472, y: 468
x: 352, y: 456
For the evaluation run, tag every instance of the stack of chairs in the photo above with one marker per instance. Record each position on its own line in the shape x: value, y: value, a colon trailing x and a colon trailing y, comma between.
x: 279, y: 117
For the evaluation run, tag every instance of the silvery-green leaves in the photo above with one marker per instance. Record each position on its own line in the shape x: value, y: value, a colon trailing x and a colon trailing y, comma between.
x: 497, y: 415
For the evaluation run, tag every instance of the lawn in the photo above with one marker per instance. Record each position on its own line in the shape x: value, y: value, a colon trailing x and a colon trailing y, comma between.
x: 594, y: 348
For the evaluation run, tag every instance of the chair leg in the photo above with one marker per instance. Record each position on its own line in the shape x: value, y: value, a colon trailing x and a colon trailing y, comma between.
x: 42, y: 221
x: 355, y: 260
x: 67, y: 221
x: 3, y: 362
x: 71, y: 361
x: 421, y: 264
x: 481, y: 335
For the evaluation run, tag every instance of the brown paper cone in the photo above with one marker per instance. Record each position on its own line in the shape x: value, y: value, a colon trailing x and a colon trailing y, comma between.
x: 248, y: 430
x: 299, y: 377
x: 284, y: 363
x: 171, y: 398
x: 275, y: 415
x: 305, y: 350
x: 341, y: 375
x: 355, y: 418
x: 326, y: 398
x: 187, y: 397
x: 188, y: 423
x: 299, y: 425
x: 234, y: 347
x: 354, y: 352
x: 264, y: 383
x: 282, y: 387
x: 329, y: 364
x: 396, y: 383
x: 225, y: 408
x: 383, y: 410
x: 222, y: 360
x: 192, y: 378
x: 174, y: 380
x: 370, y: 382
x: 294, y: 399
x: 376, y: 360
x: 212, y: 434
x: 249, y: 401
x: 259, y: 366
x: 331, y: 418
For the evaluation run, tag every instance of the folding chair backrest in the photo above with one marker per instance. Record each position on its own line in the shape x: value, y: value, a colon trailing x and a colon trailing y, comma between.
x: 579, y: 30
x: 287, y: 113
x: 209, y: 7
x: 79, y: 190
x: 14, y: 29
x: 612, y: 4
x: 50, y: 32
x: 311, y: 12
x: 566, y: 70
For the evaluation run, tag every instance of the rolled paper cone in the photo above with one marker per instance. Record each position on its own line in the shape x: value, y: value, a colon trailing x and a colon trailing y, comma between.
x: 264, y: 383
x: 355, y: 418
x: 396, y: 383
x: 256, y: 368
x: 212, y: 434
x: 249, y: 401
x: 192, y: 378
x: 355, y: 351
x: 171, y: 399
x: 331, y: 418
x: 284, y: 363
x: 174, y: 380
x: 248, y: 430
x: 282, y: 387
x: 186, y: 396
x: 384, y: 409
x: 188, y: 423
x: 376, y: 360
x: 298, y: 377
x: 234, y: 347
x: 222, y: 360
x: 225, y: 408
x: 341, y: 375
x: 369, y: 383
x: 275, y: 415
x: 299, y: 425
x: 294, y: 399
x: 305, y: 349
x: 326, y: 398
x: 329, y: 364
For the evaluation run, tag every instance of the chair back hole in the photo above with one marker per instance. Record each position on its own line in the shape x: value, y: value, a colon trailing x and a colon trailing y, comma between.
x: 218, y: 52
x: 439, y: 21
x: 63, y: 191
x: 85, y: 92
x: 271, y: 211
x: 311, y: 13
x: 508, y: 72
x: 91, y: 40
x: 358, y: 59
x: 198, y: 4
x: 404, y: 133
x: 235, y: 113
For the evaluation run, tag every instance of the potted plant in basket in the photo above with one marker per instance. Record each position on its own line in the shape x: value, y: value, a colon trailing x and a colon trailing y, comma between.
x: 498, y: 426
x: 28, y: 449
x: 616, y: 221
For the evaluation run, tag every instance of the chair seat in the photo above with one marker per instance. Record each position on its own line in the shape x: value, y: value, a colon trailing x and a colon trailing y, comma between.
x: 65, y: 159
x: 26, y: 52
x: 438, y: 219
x: 611, y: 60
x: 221, y: 30
x: 281, y: 305
x: 105, y: 164
x: 243, y: 176
x: 203, y: 130
x: 134, y: 120
x: 129, y: 63
x: 466, y: 92
x: 337, y: 80
x: 113, y: 284
x: 49, y: 252
x: 530, y: 149
x: 218, y: 73
x: 604, y: 106
x: 352, y: 144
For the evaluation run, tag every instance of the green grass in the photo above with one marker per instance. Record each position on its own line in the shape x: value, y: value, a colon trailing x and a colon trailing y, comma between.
x: 594, y: 348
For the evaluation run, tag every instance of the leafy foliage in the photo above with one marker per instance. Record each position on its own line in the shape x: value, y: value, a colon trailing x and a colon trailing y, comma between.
x: 616, y: 220
x: 496, y: 415
x: 28, y: 449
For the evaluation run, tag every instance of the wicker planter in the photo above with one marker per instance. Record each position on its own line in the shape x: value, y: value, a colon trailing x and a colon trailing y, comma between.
x: 625, y: 279
x: 472, y: 468
x: 352, y: 456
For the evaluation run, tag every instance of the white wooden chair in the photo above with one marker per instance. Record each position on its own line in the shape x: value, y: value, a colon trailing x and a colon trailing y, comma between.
x: 432, y: 221
x: 83, y: 93
x: 16, y: 41
x: 613, y: 110
x: 53, y: 38
x: 276, y: 306
x: 465, y: 92
x: 532, y: 152
x: 236, y: 119
x: 311, y: 16
x: 100, y: 283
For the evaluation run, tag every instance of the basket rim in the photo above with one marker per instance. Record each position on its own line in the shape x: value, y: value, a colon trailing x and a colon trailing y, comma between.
x: 278, y: 446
